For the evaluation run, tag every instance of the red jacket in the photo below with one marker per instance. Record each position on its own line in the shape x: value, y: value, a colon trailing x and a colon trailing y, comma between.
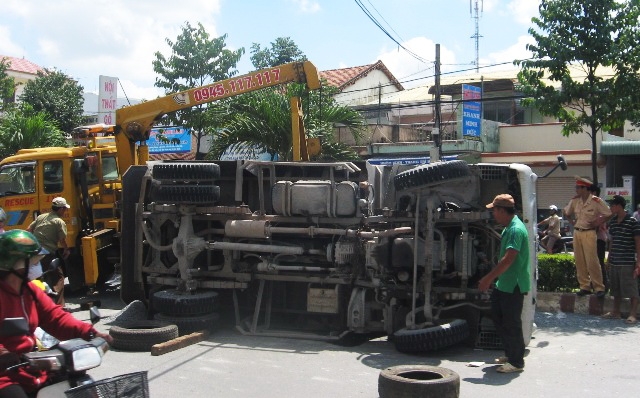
x: 41, y: 312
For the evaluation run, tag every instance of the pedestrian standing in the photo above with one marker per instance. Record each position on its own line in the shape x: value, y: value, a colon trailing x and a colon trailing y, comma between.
x: 636, y: 214
x: 602, y: 238
x: 624, y: 259
x: 51, y: 231
x: 513, y: 283
x: 589, y: 212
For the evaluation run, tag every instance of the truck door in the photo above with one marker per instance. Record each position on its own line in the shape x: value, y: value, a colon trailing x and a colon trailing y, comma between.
x: 18, y: 195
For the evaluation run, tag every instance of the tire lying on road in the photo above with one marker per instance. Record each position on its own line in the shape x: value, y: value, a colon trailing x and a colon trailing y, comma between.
x: 190, y: 324
x: 141, y: 335
x: 408, y: 381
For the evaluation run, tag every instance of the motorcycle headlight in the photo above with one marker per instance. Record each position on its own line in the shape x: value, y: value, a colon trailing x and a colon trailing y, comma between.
x: 85, y: 358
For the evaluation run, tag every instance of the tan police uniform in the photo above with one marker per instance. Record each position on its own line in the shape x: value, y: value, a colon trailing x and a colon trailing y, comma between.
x: 588, y: 215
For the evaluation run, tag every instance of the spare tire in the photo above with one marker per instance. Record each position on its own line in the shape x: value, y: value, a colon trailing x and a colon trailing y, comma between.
x: 431, y: 174
x: 444, y: 334
x: 191, y: 324
x: 408, y: 381
x: 141, y: 335
x: 172, y: 302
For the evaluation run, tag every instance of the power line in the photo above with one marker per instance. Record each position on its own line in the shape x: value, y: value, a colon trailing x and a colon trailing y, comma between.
x: 375, y: 21
x: 430, y: 76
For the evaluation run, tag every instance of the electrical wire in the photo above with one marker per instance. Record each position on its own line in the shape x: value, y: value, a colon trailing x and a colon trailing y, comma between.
x: 375, y: 21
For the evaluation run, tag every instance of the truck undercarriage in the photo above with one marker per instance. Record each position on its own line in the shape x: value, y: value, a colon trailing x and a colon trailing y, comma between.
x: 322, y: 250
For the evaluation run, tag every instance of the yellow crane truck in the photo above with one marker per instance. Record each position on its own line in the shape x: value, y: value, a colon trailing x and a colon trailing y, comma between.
x: 87, y: 175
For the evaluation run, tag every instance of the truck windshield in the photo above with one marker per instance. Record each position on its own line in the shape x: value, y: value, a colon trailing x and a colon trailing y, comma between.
x: 17, y: 179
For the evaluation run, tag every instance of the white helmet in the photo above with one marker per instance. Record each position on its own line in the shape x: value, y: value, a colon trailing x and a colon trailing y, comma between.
x: 553, y: 208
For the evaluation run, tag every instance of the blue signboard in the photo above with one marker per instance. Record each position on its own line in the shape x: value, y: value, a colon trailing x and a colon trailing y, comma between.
x: 178, y: 140
x: 471, y: 120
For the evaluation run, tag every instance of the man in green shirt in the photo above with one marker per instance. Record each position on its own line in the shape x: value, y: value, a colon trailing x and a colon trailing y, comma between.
x: 514, y: 282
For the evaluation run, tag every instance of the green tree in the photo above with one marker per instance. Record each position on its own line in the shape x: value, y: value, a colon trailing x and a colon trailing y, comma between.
x: 59, y: 96
x: 196, y: 60
x: 261, y: 121
x: 7, y: 84
x: 282, y: 51
x: 22, y: 127
x: 592, y: 37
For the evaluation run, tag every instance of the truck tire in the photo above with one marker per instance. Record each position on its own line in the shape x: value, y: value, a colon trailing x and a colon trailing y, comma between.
x: 130, y: 289
x: 430, y: 174
x: 185, y: 194
x: 186, y: 172
x: 171, y: 302
x: 142, y: 334
x: 190, y: 324
x: 408, y: 381
x: 445, y: 334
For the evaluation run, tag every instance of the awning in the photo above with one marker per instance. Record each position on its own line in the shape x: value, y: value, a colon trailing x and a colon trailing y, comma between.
x: 620, y: 148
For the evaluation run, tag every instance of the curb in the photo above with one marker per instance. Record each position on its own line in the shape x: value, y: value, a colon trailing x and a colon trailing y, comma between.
x: 569, y: 302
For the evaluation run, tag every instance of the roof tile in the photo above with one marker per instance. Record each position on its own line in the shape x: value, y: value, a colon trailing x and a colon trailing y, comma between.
x: 344, y: 77
x: 21, y: 65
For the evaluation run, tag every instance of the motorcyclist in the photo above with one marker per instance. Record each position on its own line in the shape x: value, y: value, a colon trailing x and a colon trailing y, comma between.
x: 20, y: 298
x: 552, y: 233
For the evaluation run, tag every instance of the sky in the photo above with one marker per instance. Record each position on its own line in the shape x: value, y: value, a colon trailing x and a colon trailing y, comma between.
x: 118, y: 38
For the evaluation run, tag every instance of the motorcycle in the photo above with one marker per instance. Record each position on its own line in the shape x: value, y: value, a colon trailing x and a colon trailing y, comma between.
x: 68, y: 362
x: 560, y: 245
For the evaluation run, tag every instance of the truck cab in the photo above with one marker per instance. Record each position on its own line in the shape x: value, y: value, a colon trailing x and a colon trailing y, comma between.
x: 85, y: 175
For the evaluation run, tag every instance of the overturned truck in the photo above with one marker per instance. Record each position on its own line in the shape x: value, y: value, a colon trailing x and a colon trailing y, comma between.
x: 322, y: 250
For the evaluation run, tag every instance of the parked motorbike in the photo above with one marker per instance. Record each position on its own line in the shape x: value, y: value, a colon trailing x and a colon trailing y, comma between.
x: 68, y: 362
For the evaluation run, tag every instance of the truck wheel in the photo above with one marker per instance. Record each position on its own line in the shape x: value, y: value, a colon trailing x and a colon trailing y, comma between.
x: 430, y: 174
x: 171, y: 302
x: 130, y: 289
x: 186, y: 171
x: 190, y: 324
x: 185, y: 194
x: 142, y: 334
x: 445, y: 334
x: 408, y: 381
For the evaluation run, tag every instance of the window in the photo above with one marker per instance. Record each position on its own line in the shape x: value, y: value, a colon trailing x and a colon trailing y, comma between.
x: 52, y: 172
x: 109, y: 169
x: 17, y: 179
x: 91, y: 161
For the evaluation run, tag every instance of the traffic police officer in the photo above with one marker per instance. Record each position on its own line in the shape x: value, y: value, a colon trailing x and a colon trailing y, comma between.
x: 589, y: 212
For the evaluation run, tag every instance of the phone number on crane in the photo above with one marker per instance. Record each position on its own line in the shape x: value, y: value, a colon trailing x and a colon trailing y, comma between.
x: 237, y: 86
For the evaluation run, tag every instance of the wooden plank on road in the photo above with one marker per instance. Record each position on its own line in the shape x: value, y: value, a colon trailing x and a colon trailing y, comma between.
x: 179, y: 342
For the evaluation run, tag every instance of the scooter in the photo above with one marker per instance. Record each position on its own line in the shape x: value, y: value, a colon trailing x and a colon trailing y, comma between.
x: 560, y: 246
x: 68, y: 363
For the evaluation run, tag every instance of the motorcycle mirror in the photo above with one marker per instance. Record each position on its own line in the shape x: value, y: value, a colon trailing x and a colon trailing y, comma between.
x: 94, y: 314
x: 14, y: 327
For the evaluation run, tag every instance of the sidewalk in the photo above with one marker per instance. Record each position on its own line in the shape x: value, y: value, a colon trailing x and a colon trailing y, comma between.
x: 569, y: 302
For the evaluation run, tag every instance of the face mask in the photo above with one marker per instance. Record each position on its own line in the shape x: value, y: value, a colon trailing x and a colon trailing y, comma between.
x: 35, y: 271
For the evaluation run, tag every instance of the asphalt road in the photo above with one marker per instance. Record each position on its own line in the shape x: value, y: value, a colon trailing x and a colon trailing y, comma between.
x: 570, y: 356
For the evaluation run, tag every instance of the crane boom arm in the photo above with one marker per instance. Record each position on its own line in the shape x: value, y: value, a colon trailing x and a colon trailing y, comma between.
x: 134, y: 123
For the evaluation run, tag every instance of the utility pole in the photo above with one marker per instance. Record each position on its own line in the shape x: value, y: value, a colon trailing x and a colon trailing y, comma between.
x: 436, y: 151
x: 475, y: 14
